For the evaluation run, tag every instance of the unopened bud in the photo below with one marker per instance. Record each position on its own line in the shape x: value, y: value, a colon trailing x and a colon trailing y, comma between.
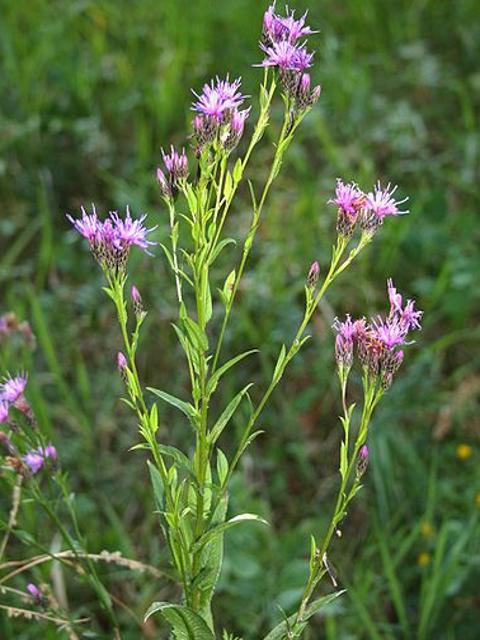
x: 137, y: 302
x: 38, y: 596
x: 362, y: 462
x: 122, y: 365
x: 313, y: 274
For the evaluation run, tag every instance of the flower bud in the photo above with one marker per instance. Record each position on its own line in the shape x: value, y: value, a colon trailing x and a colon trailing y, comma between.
x: 362, y: 461
x: 122, y: 365
x: 137, y: 302
x: 313, y: 274
x: 37, y: 595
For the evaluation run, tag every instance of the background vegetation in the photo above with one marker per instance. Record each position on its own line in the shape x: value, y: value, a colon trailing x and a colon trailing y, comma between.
x: 90, y: 91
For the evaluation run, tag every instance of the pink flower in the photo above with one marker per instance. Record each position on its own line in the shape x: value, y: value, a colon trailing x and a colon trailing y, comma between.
x: 11, y: 389
x: 381, y: 203
x: 36, y: 458
x: 4, y: 408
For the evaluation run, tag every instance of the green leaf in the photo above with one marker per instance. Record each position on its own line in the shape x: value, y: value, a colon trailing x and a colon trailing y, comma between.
x: 222, y: 466
x: 184, y: 407
x: 228, y: 186
x: 238, y: 171
x: 157, y: 485
x: 221, y: 528
x: 220, y: 247
x: 178, y: 456
x: 277, y: 374
x: 196, y: 336
x: 222, y: 421
x: 212, y: 383
x: 227, y: 290
x: 281, y: 630
x: 185, y: 623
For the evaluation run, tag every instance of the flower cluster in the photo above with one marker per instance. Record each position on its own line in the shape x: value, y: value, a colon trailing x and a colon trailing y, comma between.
x: 110, y: 240
x: 283, y: 51
x: 176, y: 170
x: 379, y: 341
x: 367, y: 209
x: 218, y: 115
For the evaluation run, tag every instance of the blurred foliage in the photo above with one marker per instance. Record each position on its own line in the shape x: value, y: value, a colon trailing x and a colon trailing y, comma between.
x: 90, y: 91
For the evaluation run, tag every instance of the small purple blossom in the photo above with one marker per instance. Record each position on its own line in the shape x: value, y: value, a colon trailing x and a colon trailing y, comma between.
x: 287, y: 56
x: 12, y: 389
x: 277, y: 27
x: 129, y: 232
x: 349, y: 200
x: 219, y: 98
x: 88, y: 225
x: 344, y: 341
x: 176, y: 165
x: 135, y: 293
x: 380, y: 202
x: 36, y: 593
x: 37, y: 458
x: 235, y: 129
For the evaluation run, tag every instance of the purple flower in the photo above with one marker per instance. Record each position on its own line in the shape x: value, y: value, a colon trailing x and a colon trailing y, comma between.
x: 176, y: 165
x: 348, y: 197
x: 286, y: 56
x: 4, y: 408
x: 408, y: 316
x: 235, y: 129
x: 344, y: 342
x: 219, y: 98
x: 130, y: 232
x: 277, y: 27
x: 381, y: 203
x: 11, y: 389
x: 36, y: 458
x: 390, y: 331
x: 88, y: 226
x: 135, y: 293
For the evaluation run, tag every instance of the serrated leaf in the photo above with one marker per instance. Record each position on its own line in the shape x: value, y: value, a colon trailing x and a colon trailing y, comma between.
x: 185, y: 623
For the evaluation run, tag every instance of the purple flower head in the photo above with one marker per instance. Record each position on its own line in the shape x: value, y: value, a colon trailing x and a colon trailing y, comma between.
x: 218, y: 98
x: 349, y: 200
x: 235, y: 129
x: 408, y: 316
x: 344, y: 341
x: 37, y: 458
x: 12, y: 389
x: 88, y: 226
x: 381, y: 203
x: 4, y: 408
x: 130, y: 232
x: 286, y: 56
x: 176, y: 164
x: 164, y: 183
x: 348, y: 197
x: 276, y: 28
x: 390, y: 332
x: 121, y: 362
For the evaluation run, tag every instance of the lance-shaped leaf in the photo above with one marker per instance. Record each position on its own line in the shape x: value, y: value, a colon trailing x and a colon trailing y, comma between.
x: 185, y: 623
x: 184, y: 407
x: 221, y: 528
x: 214, y: 380
x: 228, y: 412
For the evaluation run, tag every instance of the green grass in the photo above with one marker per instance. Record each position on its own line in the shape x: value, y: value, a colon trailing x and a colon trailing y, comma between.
x: 90, y: 91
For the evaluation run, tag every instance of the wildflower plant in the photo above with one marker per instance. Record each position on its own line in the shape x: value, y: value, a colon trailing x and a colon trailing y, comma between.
x: 191, y: 485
